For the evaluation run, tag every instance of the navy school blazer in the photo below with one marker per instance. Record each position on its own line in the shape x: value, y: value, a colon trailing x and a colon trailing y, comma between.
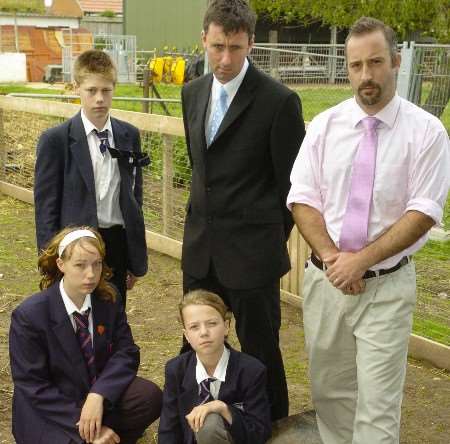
x: 48, y: 370
x: 244, y: 391
x: 64, y: 187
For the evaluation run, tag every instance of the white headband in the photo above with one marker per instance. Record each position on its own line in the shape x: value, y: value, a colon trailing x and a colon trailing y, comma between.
x: 73, y: 236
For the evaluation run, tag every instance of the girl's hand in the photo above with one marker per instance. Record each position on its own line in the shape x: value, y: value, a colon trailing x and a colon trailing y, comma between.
x: 107, y: 436
x: 90, y: 423
x: 197, y: 417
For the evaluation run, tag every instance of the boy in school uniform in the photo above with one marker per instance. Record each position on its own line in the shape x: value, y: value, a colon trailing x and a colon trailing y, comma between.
x: 213, y: 394
x: 88, y: 172
x: 73, y: 357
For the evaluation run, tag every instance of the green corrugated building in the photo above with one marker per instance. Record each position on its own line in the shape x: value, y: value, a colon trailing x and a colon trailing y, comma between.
x: 159, y: 23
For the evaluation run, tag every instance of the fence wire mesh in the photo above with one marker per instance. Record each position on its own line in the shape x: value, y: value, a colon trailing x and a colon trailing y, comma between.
x: 431, y: 80
x: 166, y: 188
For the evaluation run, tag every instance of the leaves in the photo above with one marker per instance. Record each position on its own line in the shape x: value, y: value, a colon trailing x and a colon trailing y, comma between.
x: 428, y: 17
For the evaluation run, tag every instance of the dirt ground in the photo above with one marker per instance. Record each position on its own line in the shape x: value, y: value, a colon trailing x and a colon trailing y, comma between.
x: 152, y: 315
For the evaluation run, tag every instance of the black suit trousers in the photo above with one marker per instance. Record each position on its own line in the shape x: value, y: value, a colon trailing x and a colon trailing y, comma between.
x: 116, y: 257
x: 258, y: 319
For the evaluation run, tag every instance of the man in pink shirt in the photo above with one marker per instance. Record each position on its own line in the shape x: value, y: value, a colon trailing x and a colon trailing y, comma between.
x: 370, y: 180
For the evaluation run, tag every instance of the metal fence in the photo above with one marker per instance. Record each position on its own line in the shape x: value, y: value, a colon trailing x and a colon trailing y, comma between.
x: 430, y: 78
x: 166, y: 185
x: 296, y: 64
x: 121, y: 48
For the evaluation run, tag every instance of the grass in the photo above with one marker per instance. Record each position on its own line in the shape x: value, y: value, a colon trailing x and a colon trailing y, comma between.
x: 432, y: 316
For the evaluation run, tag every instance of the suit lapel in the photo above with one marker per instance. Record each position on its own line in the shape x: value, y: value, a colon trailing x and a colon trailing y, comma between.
x: 241, y: 101
x: 202, y: 106
x: 80, y: 151
x: 65, y: 334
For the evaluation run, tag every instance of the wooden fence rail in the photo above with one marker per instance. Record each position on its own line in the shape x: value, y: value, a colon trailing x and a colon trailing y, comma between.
x: 171, y: 128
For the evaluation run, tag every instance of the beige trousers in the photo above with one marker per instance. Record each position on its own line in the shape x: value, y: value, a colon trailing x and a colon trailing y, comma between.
x: 214, y: 431
x: 357, y: 348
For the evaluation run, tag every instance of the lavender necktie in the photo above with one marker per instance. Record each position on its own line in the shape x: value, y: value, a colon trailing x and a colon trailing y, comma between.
x: 356, y: 218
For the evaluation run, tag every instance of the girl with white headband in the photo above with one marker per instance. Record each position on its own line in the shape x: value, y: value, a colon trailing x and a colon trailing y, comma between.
x: 73, y: 358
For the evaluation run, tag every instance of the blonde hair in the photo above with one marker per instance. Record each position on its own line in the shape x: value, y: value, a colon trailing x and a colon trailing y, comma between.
x: 50, y: 272
x: 94, y: 61
x: 204, y: 297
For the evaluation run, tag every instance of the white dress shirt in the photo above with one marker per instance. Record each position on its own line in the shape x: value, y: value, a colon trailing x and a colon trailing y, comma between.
x: 106, y: 176
x: 72, y: 308
x: 219, y: 373
x: 412, y: 167
x: 231, y: 89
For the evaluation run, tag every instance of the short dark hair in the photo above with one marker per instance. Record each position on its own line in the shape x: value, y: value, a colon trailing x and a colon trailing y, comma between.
x: 94, y: 61
x: 367, y: 25
x: 232, y: 15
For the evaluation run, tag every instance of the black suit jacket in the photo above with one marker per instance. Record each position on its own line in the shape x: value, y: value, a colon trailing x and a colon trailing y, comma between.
x: 48, y: 370
x: 64, y: 187
x: 236, y: 214
x: 244, y: 391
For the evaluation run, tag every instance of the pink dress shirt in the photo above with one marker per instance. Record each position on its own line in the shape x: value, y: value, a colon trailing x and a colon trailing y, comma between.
x: 412, y: 167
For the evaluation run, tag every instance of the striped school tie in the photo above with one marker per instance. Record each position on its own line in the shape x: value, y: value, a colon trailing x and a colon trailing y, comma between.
x: 104, y: 141
x: 85, y: 340
x: 204, y: 392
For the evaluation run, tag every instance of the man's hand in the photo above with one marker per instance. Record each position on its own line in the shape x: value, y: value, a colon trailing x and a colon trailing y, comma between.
x: 90, y: 423
x: 356, y: 288
x: 131, y: 280
x: 345, y: 272
x: 198, y: 414
x: 107, y: 436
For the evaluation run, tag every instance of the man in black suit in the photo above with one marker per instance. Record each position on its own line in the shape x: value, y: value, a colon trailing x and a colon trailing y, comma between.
x: 243, y: 132
x: 88, y: 172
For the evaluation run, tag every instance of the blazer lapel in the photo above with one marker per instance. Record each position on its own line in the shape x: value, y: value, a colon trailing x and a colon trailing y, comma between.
x: 65, y: 334
x: 101, y: 325
x: 80, y: 150
x: 189, y: 395
x: 122, y: 141
x: 241, y: 101
x: 229, y: 386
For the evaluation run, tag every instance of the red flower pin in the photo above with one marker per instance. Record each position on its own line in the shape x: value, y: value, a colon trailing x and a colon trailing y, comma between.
x: 100, y: 329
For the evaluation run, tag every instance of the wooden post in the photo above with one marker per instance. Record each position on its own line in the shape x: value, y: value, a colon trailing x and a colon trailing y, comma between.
x: 146, y: 91
x: 167, y: 183
x: 274, y: 55
x: 333, y: 56
x: 2, y: 148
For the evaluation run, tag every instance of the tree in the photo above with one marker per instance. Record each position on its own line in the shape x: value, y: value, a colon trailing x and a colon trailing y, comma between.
x: 409, y: 18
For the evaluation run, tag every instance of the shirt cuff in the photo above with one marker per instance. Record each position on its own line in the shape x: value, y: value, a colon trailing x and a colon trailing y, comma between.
x: 302, y: 199
x: 426, y: 206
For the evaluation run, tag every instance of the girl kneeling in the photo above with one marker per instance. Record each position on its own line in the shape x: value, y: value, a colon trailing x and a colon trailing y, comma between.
x: 73, y: 358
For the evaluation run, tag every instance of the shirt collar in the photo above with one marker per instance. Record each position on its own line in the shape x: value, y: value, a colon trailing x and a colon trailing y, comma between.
x: 219, y: 373
x: 89, y: 126
x: 68, y: 303
x: 233, y: 85
x: 387, y: 115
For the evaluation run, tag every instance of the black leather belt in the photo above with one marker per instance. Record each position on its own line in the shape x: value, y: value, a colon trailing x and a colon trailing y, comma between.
x: 369, y: 273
